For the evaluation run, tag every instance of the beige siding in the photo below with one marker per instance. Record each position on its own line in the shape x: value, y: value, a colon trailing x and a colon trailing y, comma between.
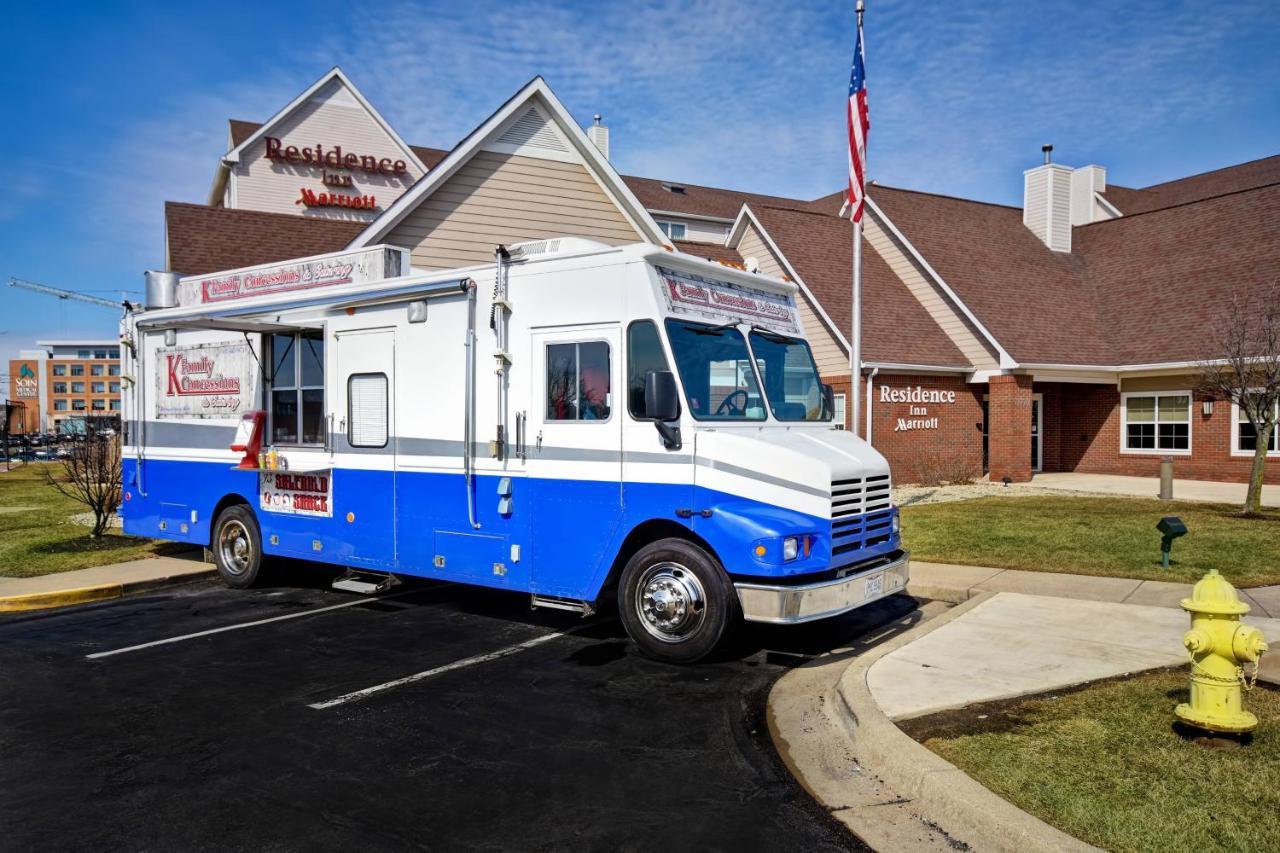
x: 697, y: 230
x: 832, y: 358
x: 503, y: 198
x: 333, y: 117
x: 949, y: 318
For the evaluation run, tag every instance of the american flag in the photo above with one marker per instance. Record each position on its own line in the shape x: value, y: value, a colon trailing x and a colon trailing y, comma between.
x: 859, y: 124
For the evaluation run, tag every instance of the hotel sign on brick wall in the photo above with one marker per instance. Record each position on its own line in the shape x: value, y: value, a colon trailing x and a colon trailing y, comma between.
x: 919, y: 399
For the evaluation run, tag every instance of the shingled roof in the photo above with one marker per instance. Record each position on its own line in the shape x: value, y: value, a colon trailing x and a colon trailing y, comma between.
x: 1245, y: 176
x: 205, y: 239
x: 820, y: 247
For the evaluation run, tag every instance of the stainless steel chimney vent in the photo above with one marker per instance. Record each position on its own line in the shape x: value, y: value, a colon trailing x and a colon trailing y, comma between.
x: 162, y: 289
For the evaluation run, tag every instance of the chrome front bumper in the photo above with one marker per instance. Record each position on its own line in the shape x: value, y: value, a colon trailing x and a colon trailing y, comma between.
x: 791, y: 605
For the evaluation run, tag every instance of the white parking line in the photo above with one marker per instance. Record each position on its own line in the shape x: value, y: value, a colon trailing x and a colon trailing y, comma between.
x: 449, y: 667
x: 252, y: 624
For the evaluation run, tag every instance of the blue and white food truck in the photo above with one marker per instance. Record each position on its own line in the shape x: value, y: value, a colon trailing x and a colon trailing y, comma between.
x: 578, y: 422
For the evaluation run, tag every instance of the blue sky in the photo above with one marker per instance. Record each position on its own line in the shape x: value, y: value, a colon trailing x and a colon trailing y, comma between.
x: 115, y: 107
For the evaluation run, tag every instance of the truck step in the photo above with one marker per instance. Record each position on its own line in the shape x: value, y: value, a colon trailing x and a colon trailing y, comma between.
x: 365, y: 583
x: 586, y: 608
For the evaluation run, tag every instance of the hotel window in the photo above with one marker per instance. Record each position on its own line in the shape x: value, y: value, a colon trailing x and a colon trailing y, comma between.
x: 77, y: 370
x: 99, y: 387
x: 99, y: 353
x: 674, y: 230
x: 297, y: 389
x: 99, y: 405
x: 114, y: 352
x: 115, y: 387
x: 837, y: 402
x: 113, y: 370
x: 84, y: 353
x: 115, y: 405
x: 1246, y: 437
x: 59, y: 370
x: 77, y: 405
x: 1157, y: 422
x: 77, y: 387
x: 59, y: 387
x: 97, y: 369
x: 59, y: 405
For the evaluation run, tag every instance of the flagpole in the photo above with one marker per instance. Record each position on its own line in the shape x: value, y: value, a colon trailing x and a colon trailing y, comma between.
x: 855, y: 343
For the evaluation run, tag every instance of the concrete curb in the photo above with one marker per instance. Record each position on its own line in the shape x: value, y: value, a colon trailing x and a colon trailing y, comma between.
x: 966, y: 809
x: 88, y: 594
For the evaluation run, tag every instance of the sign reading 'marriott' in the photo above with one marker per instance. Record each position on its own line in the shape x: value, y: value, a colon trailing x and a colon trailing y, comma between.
x: 917, y: 397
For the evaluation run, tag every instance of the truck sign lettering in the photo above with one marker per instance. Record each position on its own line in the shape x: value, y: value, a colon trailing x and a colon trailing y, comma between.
x: 712, y: 301
x: 205, y: 381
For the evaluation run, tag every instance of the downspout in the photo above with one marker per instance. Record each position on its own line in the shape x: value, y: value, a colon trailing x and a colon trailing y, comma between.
x: 468, y: 404
x: 871, y: 384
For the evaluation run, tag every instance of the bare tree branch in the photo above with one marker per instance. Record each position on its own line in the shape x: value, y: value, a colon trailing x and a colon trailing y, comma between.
x: 92, y: 476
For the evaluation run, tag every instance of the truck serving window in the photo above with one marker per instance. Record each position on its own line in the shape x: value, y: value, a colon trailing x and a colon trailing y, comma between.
x: 296, y: 393
x: 578, y: 381
x: 644, y: 354
x: 715, y: 369
x: 790, y: 377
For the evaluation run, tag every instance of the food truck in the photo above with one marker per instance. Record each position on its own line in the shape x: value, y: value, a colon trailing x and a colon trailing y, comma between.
x: 581, y: 423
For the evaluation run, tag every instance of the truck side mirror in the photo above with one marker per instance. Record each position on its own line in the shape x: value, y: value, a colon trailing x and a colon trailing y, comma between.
x: 662, y: 403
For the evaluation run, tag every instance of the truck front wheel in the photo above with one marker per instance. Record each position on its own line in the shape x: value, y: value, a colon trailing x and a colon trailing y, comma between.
x: 676, y: 602
x: 237, y: 546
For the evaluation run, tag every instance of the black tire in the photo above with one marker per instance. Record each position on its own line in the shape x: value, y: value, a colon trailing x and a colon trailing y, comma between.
x: 676, y: 601
x: 237, y: 547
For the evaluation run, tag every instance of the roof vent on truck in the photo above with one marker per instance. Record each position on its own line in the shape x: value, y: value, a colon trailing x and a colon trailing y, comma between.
x: 554, y: 246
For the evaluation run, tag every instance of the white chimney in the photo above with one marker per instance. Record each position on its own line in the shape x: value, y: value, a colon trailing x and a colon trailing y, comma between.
x: 1046, y: 203
x: 599, y: 136
x: 1086, y: 181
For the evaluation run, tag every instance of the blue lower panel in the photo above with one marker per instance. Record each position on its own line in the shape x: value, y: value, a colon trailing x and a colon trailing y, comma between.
x: 557, y: 537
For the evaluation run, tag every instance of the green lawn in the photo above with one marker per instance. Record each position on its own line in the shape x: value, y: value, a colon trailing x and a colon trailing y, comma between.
x: 1095, y: 536
x: 1105, y: 765
x: 41, y: 538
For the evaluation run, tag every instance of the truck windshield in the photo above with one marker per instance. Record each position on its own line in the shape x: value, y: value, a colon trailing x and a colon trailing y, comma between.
x: 715, y: 369
x: 790, y: 377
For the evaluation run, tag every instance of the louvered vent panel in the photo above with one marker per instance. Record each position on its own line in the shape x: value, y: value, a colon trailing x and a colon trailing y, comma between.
x: 533, y: 130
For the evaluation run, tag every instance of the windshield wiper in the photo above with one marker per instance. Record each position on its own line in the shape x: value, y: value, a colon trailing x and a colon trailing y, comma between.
x: 771, y: 335
x: 711, y: 330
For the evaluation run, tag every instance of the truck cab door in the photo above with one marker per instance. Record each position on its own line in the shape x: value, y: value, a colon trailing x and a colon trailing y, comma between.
x: 574, y: 460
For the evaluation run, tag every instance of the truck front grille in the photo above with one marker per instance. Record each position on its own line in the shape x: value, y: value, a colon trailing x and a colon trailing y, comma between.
x: 860, y: 516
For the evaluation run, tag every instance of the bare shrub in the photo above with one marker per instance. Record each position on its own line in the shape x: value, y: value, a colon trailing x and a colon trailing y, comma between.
x: 945, y: 466
x: 91, y: 474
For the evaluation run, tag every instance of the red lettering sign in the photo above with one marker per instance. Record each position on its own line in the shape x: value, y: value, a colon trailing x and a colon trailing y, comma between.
x: 334, y: 158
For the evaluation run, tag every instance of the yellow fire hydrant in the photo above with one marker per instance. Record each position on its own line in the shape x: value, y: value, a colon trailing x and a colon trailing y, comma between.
x: 1219, y: 646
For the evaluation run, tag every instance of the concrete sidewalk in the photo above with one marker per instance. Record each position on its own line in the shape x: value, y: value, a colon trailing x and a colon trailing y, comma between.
x: 955, y: 584
x: 1014, y: 644
x: 100, y: 582
x: 1149, y: 487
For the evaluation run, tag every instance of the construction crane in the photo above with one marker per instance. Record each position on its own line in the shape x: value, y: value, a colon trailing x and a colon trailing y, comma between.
x: 59, y: 293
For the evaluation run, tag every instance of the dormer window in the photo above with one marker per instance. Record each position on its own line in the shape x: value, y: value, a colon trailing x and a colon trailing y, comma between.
x: 674, y: 188
x: 673, y: 230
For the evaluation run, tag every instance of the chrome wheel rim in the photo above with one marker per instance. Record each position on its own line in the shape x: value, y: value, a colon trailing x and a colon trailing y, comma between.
x: 670, y: 603
x: 235, y: 547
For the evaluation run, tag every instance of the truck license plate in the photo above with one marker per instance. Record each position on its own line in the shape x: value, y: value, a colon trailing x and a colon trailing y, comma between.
x: 875, y: 586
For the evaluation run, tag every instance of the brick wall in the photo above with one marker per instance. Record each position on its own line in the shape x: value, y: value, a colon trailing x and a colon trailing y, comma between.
x: 1009, y: 428
x: 1092, y: 422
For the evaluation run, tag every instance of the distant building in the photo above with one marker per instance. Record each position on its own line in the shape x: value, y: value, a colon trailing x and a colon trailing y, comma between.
x: 66, y: 386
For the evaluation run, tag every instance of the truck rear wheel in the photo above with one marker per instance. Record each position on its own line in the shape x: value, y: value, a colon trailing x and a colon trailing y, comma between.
x: 676, y: 602
x: 237, y: 546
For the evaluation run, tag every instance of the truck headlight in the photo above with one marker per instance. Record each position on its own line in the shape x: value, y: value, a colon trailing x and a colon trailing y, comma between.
x: 790, y: 548
x: 897, y: 524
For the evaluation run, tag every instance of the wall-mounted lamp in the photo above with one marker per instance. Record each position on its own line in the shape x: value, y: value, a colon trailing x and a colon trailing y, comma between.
x: 1207, y: 407
x: 170, y: 337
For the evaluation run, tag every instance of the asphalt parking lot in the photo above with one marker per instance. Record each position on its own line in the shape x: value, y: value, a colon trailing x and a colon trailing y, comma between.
x: 434, y: 718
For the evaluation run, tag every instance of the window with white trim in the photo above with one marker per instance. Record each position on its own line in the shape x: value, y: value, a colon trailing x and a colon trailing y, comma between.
x: 296, y: 393
x: 1156, y: 422
x: 1244, y: 438
x: 674, y: 230
x: 367, y: 410
x: 838, y: 405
